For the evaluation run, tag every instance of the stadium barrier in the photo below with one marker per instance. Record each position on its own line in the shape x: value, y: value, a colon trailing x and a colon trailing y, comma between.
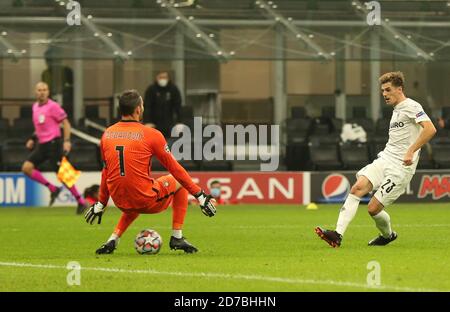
x: 17, y: 190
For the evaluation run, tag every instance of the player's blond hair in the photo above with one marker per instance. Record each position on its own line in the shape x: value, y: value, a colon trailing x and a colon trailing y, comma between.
x: 397, y: 79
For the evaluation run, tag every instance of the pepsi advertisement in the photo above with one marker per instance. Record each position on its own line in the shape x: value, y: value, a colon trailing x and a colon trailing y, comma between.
x: 425, y: 186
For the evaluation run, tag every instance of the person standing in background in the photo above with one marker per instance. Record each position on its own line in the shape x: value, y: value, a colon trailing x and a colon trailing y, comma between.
x: 162, y: 103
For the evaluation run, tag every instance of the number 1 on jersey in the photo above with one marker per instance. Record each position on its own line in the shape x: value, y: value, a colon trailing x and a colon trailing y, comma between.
x: 121, y: 160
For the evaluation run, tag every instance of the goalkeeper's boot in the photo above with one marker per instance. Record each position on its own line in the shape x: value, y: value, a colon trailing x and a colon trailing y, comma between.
x: 54, y: 195
x: 382, y: 241
x: 183, y: 244
x: 333, y: 238
x: 107, y: 248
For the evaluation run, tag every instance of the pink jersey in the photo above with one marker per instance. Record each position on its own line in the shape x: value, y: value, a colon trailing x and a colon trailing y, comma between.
x: 46, y: 120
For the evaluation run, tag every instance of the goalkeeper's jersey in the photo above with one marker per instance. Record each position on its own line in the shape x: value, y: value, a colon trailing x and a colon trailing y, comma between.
x: 404, y: 129
x: 127, y: 148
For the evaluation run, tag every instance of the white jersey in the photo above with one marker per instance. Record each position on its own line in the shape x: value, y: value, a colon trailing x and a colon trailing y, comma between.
x: 404, y: 129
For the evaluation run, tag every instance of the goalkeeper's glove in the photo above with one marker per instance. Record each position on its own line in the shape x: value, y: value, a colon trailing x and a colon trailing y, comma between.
x: 95, y: 211
x: 206, y: 203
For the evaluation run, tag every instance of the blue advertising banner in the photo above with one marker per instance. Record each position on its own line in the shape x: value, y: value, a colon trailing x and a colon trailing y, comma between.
x: 17, y: 189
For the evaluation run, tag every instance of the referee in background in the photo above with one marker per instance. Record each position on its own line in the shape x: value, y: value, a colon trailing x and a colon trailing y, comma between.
x: 46, y: 143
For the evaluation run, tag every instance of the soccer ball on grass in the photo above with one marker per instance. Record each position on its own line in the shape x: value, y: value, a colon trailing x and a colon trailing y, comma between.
x: 148, y: 242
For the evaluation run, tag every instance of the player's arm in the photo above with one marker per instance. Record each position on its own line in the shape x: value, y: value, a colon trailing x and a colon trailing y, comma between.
x: 162, y: 152
x: 96, y: 210
x: 66, y: 133
x: 425, y: 136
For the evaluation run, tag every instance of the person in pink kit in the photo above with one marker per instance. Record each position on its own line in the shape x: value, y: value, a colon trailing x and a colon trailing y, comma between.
x: 46, y: 143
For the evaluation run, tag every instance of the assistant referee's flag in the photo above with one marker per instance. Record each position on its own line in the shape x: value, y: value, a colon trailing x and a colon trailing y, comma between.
x: 67, y: 174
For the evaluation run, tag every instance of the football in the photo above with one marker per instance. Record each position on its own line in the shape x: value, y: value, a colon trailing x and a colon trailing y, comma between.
x: 148, y: 242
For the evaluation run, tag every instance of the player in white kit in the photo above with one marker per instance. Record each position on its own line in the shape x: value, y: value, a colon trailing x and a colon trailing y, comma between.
x: 410, y: 128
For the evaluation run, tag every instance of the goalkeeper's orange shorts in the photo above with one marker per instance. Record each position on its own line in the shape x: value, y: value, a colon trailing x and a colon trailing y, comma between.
x: 165, y: 188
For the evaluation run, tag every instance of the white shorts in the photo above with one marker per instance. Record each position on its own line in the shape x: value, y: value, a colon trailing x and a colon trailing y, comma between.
x: 389, y: 178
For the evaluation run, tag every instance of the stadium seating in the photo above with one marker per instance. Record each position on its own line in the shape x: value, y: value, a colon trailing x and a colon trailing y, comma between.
x: 216, y: 165
x: 22, y: 128
x: 359, y: 112
x: 85, y: 156
x: 246, y: 165
x: 354, y: 155
x: 190, y: 165
x: 441, y: 154
x: 336, y: 125
x: 382, y: 126
x: 298, y: 112
x: 187, y: 116
x: 14, y: 153
x: 298, y: 130
x: 386, y: 112
x: 321, y: 126
x: 4, y: 129
x: 297, y: 134
x: 328, y: 112
x: 324, y: 153
x: 376, y: 145
x: 366, y: 123
x: 446, y: 112
x: 26, y: 112
x: 426, y: 161
x: 297, y: 156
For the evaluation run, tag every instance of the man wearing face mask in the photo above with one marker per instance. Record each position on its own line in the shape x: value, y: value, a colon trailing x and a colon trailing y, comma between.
x: 162, y: 103
x: 216, y: 192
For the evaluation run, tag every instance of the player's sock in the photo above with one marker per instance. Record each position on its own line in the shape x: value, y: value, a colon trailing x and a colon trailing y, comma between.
x: 347, y: 213
x: 37, y: 176
x: 179, y: 208
x: 76, y: 194
x: 383, y: 222
x: 124, y: 222
x: 114, y: 237
x: 177, y: 233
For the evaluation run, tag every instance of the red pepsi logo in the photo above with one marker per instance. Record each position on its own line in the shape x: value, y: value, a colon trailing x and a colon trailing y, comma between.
x: 335, y: 186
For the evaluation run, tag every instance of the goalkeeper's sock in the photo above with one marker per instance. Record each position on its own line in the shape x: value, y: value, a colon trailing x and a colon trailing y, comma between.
x: 179, y: 208
x: 124, y: 222
x: 76, y: 194
x: 347, y: 213
x: 37, y: 176
x: 177, y: 233
x: 383, y: 223
x: 115, y: 238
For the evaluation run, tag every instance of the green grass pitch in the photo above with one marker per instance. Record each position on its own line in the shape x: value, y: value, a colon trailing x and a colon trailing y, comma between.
x: 242, y: 248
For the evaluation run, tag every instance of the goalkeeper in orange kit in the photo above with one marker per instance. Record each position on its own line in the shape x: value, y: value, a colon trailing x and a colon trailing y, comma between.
x: 127, y: 148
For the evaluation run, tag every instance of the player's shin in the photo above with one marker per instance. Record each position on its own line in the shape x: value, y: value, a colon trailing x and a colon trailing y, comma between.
x: 347, y: 213
x: 383, y: 223
x: 179, y: 208
x: 37, y: 176
x: 124, y: 222
x: 74, y: 191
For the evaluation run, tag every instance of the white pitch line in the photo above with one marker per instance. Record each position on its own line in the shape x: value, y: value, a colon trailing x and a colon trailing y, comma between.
x: 281, y: 226
x: 228, y: 276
